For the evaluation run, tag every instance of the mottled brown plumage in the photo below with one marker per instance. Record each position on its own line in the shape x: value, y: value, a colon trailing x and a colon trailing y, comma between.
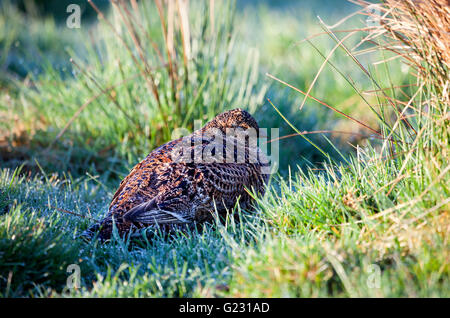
x: 183, y: 181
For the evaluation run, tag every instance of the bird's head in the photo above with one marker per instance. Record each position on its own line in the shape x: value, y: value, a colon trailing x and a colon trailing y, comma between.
x: 235, y: 118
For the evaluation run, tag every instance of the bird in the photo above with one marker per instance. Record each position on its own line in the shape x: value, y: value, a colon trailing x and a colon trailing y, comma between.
x: 185, y: 181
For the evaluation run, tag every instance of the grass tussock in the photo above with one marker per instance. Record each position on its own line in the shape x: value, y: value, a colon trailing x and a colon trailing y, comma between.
x: 141, y: 73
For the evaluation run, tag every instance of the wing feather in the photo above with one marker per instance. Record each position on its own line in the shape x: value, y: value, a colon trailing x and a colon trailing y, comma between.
x: 150, y: 213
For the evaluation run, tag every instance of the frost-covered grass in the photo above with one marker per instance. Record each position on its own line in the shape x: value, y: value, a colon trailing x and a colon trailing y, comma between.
x: 314, y: 236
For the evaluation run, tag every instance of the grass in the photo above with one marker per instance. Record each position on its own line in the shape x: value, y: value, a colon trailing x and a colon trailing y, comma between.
x: 99, y: 113
x: 314, y: 237
x: 37, y: 242
x: 132, y: 84
x: 373, y: 223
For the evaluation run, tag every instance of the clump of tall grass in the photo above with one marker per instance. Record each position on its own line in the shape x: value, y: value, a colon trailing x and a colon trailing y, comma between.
x: 147, y: 69
x: 418, y: 33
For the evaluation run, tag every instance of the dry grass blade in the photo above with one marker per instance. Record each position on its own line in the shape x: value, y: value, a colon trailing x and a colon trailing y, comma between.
x: 327, y: 132
x: 73, y: 213
x: 168, y: 34
x: 309, y: 38
x: 211, y: 15
x: 322, y: 67
x: 170, y: 27
x: 364, y: 70
x: 183, y: 13
x: 388, y: 88
x: 325, y: 104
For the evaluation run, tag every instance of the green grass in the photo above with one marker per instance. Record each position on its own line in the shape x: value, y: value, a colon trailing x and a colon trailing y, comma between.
x: 294, y: 245
x: 37, y: 244
x: 368, y: 223
x: 117, y: 100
